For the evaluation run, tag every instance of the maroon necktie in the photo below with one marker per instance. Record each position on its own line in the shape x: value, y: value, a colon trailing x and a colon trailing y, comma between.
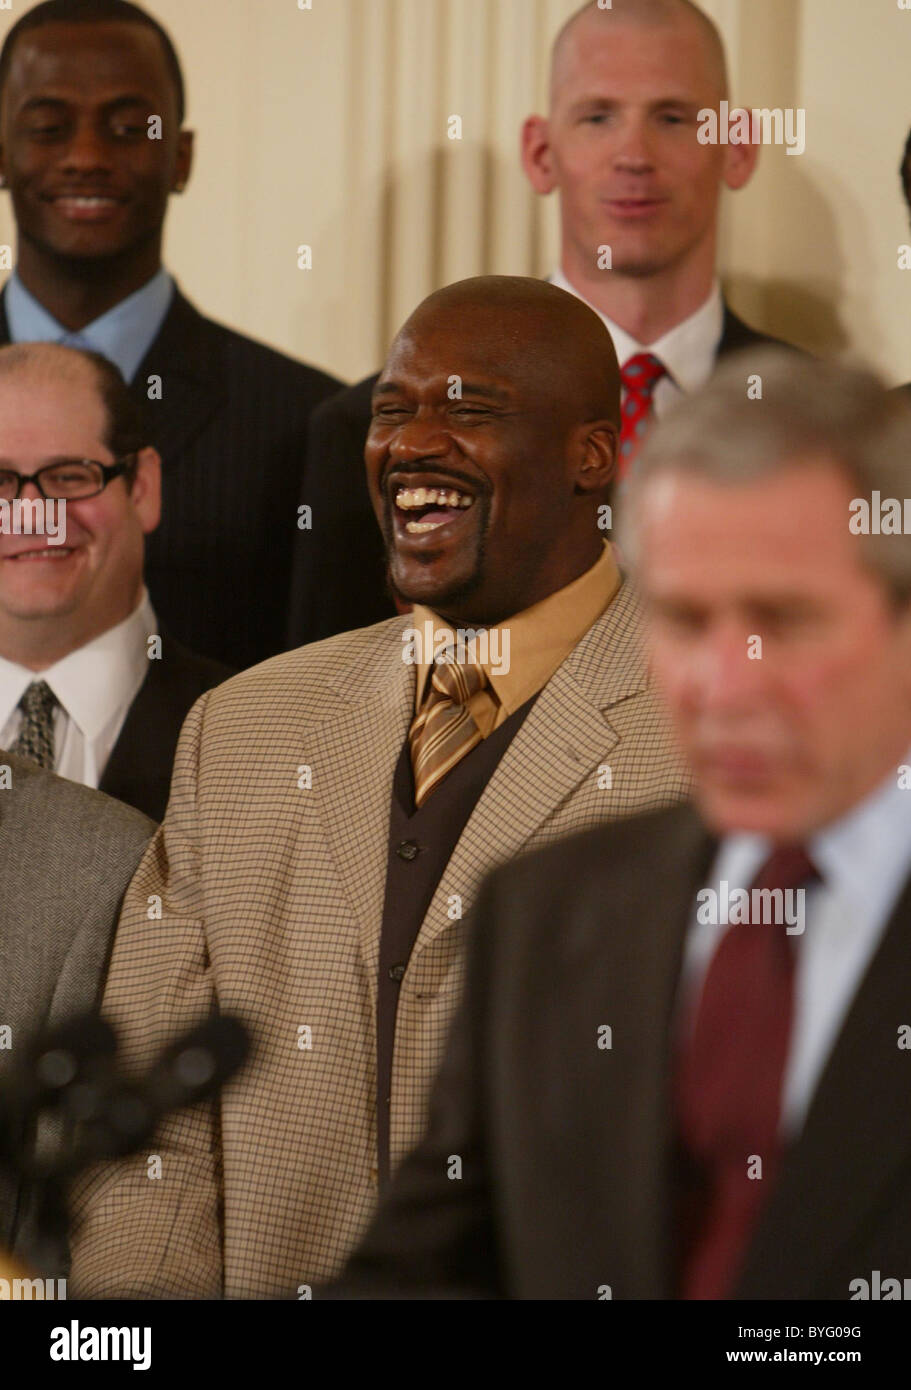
x: 728, y: 1088
x: 640, y: 375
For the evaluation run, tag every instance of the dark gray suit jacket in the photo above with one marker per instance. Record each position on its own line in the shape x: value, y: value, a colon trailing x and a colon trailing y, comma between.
x: 339, y: 578
x: 567, y: 1150
x: 67, y: 854
x: 138, y: 770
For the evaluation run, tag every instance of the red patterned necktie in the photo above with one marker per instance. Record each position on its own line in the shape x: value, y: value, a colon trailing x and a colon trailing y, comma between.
x: 640, y: 375
x: 728, y: 1088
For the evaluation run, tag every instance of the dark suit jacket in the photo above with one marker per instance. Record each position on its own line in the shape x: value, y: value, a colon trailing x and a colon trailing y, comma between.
x: 67, y: 854
x: 339, y: 579
x: 231, y: 426
x: 138, y: 770
x: 566, y: 1149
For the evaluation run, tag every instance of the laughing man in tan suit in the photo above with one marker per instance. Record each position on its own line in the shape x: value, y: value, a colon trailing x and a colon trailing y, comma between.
x: 334, y: 810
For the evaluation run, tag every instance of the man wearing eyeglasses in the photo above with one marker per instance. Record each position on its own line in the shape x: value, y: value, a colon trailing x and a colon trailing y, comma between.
x: 89, y: 686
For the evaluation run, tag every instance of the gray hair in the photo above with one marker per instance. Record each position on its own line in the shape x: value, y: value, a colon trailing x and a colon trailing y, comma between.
x: 809, y: 411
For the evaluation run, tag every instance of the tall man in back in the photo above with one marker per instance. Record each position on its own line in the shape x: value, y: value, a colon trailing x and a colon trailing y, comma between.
x: 333, y: 810
x: 713, y: 1099
x: 620, y: 149
x: 82, y: 85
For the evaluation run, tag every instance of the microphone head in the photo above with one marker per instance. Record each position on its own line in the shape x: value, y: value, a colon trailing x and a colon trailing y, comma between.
x: 198, y: 1064
x: 122, y: 1116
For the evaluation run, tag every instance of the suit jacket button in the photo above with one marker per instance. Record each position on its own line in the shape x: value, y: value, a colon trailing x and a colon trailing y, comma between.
x: 408, y: 850
x: 396, y: 972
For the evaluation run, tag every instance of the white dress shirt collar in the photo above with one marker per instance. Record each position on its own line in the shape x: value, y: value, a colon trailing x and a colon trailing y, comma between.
x: 95, y: 682
x: 865, y: 854
x: 688, y: 350
x: 123, y: 334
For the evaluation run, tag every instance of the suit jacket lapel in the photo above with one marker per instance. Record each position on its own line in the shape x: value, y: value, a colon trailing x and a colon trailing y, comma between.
x: 565, y: 737
x: 138, y: 770
x: 26, y: 977
x: 353, y: 759
x: 185, y: 357
x: 856, y: 1135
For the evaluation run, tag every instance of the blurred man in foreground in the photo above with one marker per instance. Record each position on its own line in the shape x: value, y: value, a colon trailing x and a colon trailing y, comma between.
x: 712, y: 1101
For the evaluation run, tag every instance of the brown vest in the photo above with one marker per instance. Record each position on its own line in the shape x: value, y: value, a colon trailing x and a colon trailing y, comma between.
x: 421, y: 842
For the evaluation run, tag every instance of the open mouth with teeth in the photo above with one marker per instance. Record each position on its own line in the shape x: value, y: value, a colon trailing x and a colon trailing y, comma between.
x: 82, y: 207
x: 429, y: 508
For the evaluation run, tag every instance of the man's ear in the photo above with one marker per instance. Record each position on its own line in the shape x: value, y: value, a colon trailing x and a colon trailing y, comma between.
x: 145, y: 493
x: 739, y: 160
x: 537, y: 158
x: 184, y: 162
x: 596, y: 451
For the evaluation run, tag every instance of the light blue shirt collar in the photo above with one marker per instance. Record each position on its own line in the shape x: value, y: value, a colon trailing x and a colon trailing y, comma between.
x: 124, y: 334
x: 865, y: 854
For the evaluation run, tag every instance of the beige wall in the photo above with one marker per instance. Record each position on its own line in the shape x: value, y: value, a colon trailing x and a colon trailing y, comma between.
x: 328, y: 127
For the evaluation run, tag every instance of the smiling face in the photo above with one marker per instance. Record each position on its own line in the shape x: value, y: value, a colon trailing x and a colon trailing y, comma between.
x: 787, y: 741
x: 86, y: 181
x: 621, y: 144
x: 57, y: 597
x: 485, y: 501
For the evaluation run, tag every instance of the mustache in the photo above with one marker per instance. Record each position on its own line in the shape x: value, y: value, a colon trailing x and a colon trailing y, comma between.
x: 400, y: 473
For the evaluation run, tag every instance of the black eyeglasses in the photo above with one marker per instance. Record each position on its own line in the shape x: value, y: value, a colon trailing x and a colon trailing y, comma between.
x: 65, y: 479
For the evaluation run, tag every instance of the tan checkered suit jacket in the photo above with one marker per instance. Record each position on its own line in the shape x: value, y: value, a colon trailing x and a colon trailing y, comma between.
x: 271, y: 904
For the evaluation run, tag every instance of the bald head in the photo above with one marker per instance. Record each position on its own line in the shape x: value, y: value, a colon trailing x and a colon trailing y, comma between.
x: 47, y: 362
x: 591, y: 22
x: 50, y: 364
x: 492, y: 447
x: 547, y: 341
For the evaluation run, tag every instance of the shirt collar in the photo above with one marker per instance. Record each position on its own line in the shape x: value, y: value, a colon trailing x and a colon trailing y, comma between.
x: 123, y: 334
x: 688, y: 350
x: 540, y: 638
x: 869, y: 844
x: 95, y: 682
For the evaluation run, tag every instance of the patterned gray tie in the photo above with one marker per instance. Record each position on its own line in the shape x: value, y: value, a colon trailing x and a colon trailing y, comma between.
x: 35, y: 738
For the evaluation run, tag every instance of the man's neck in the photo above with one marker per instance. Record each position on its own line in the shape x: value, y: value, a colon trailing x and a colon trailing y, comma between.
x: 40, y: 643
x: 645, y: 307
x: 77, y: 293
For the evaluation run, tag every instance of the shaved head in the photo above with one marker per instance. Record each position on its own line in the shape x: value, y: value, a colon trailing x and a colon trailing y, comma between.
x: 493, y: 446
x: 578, y: 29
x: 539, y: 335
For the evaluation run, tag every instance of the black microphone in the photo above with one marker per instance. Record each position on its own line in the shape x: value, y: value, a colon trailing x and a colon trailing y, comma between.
x: 121, y: 1116
x: 52, y: 1065
x: 72, y: 1072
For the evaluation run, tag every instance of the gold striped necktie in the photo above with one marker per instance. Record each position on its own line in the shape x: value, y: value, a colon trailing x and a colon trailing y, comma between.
x: 443, y: 731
